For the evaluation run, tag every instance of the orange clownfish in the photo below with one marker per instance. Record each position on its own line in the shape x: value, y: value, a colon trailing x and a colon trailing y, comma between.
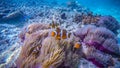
x: 69, y: 34
x: 54, y: 25
x: 64, y: 34
x: 60, y: 34
x: 77, y: 45
x: 53, y: 33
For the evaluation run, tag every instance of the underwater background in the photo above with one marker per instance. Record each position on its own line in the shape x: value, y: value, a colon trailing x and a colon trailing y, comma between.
x: 15, y: 14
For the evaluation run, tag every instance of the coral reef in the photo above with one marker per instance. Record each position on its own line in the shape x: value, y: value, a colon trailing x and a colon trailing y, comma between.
x: 8, y: 33
x: 86, y: 18
x: 63, y: 38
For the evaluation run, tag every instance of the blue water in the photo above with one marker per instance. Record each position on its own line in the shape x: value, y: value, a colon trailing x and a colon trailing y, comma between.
x: 103, y: 7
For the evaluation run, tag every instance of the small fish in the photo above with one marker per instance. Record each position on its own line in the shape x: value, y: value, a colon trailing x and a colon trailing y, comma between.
x: 58, y: 31
x: 77, y: 45
x: 68, y: 35
x: 53, y: 33
x: 53, y: 24
x: 64, y: 34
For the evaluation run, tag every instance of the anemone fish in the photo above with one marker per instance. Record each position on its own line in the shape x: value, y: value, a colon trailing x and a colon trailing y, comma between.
x: 68, y: 35
x: 53, y: 24
x: 77, y: 45
x: 64, y: 34
x: 60, y: 34
x: 58, y: 31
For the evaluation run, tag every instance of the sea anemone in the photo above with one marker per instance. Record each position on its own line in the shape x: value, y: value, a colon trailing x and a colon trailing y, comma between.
x: 43, y: 48
x: 97, y: 57
x: 109, y: 22
x: 30, y: 48
x: 28, y: 30
x: 99, y: 38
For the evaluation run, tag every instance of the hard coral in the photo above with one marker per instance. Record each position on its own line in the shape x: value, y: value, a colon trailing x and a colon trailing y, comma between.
x: 86, y: 18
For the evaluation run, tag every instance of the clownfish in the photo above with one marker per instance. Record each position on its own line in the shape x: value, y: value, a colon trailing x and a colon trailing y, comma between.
x: 53, y: 24
x: 58, y: 31
x: 68, y: 35
x: 60, y: 34
x: 64, y: 34
x: 53, y: 33
x: 77, y: 45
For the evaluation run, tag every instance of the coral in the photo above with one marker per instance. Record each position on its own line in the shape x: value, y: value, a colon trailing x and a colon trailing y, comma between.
x: 86, y: 18
x: 63, y: 16
x: 55, y: 45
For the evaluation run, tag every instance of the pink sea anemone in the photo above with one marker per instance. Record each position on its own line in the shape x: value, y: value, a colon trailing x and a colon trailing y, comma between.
x: 101, y: 39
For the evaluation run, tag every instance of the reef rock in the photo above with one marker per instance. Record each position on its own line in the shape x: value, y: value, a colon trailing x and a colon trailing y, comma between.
x: 13, y: 15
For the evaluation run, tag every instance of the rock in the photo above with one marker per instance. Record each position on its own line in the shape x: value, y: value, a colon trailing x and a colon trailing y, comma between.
x: 5, y: 10
x: 63, y: 16
x: 2, y: 15
x: 13, y: 15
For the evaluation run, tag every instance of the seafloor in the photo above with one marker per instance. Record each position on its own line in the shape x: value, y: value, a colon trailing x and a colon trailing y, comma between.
x: 17, y: 16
